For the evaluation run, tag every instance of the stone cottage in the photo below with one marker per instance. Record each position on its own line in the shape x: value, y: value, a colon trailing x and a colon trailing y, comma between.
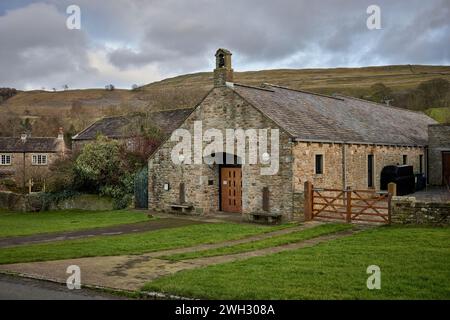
x: 439, y: 154
x: 332, y: 141
x: 26, y: 157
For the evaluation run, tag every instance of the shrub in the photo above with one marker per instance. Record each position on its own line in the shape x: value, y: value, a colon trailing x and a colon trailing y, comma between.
x: 62, y: 176
x: 8, y: 183
x: 104, y: 167
x: 99, y: 164
x: 54, y: 198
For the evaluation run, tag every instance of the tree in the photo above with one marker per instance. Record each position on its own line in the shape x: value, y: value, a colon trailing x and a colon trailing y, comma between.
x: 104, y: 166
x: 99, y: 164
x: 435, y: 92
x: 66, y: 87
x: 61, y: 176
x: 6, y: 93
x: 380, y: 93
x: 134, y: 87
x: 110, y: 87
x: 26, y: 125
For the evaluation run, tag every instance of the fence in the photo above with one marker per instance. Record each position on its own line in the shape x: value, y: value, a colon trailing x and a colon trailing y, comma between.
x: 348, y: 204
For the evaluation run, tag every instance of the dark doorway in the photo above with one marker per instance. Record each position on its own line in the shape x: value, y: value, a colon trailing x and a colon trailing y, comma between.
x: 370, y: 171
x: 446, y: 168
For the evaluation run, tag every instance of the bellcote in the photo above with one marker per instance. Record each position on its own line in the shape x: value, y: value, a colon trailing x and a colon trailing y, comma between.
x: 224, y: 71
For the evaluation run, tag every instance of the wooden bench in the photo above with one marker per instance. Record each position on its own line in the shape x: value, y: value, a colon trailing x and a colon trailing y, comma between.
x: 267, y: 216
x: 183, y: 208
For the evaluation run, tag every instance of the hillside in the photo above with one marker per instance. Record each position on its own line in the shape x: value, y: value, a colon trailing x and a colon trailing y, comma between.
x: 74, y: 110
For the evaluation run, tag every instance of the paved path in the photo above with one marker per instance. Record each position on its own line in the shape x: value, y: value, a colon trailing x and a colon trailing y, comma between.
x: 132, y: 272
x: 15, y: 288
x: 104, y: 231
x: 433, y: 194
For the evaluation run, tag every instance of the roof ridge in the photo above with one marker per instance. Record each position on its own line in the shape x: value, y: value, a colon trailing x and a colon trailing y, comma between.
x: 28, y: 138
x: 382, y: 104
x: 252, y: 87
x: 172, y: 110
x: 303, y: 91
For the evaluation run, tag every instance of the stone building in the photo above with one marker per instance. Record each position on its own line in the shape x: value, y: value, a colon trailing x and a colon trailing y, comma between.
x: 123, y: 128
x: 439, y: 154
x: 26, y: 157
x: 332, y: 141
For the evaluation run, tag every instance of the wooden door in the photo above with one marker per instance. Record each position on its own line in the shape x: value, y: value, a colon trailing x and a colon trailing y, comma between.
x: 231, y: 186
x: 446, y: 168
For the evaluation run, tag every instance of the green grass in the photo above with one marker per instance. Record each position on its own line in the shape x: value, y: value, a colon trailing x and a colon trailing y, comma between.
x: 441, y: 115
x: 138, y: 243
x: 22, y: 224
x: 261, y: 244
x: 414, y: 262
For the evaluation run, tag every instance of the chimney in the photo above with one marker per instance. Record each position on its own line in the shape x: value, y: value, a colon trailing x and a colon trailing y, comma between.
x: 224, y: 71
x: 61, y: 134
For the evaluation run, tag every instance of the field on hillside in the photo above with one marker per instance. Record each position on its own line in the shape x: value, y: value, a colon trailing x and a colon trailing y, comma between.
x: 76, y: 109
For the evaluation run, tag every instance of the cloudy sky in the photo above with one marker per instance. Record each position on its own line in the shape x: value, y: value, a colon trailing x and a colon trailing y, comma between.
x: 124, y: 42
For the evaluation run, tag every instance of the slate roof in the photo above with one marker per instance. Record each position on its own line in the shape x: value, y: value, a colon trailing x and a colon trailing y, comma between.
x: 15, y: 145
x: 313, y: 117
x: 112, y: 127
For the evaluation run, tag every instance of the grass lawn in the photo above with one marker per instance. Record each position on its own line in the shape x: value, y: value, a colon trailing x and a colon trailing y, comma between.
x: 22, y: 224
x: 133, y: 243
x: 266, y: 243
x: 414, y: 262
x: 442, y: 115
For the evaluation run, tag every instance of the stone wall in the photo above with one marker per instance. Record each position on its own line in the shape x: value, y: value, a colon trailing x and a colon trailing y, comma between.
x: 299, y: 205
x: 407, y: 210
x: 222, y: 109
x: 33, y: 202
x: 438, y: 142
x: 20, y: 202
x: 89, y: 202
x: 356, y: 155
x: 17, y: 171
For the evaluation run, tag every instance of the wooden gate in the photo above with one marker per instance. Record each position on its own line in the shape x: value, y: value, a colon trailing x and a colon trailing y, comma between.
x: 349, y: 205
x: 141, y: 189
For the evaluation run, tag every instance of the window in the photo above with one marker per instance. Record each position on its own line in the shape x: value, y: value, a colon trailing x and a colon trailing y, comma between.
x: 5, y: 160
x: 405, y: 159
x: 39, y: 159
x: 370, y: 171
x: 421, y: 163
x: 319, y: 164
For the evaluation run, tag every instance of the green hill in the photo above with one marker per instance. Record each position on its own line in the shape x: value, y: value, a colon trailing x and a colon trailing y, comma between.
x: 75, y: 109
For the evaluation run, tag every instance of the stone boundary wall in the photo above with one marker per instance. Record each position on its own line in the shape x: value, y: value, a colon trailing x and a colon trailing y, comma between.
x: 407, y: 210
x: 33, y: 203
x: 20, y: 202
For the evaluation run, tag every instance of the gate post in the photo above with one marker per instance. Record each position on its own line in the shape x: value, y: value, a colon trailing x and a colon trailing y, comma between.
x: 392, y: 192
x: 392, y: 189
x: 348, y: 197
x: 308, y: 205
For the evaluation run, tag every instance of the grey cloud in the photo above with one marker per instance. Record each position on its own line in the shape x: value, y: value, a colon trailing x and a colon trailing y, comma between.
x: 38, y: 48
x: 180, y: 36
x: 267, y: 31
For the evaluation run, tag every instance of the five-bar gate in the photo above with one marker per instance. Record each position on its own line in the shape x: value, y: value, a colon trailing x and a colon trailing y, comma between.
x: 348, y: 204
